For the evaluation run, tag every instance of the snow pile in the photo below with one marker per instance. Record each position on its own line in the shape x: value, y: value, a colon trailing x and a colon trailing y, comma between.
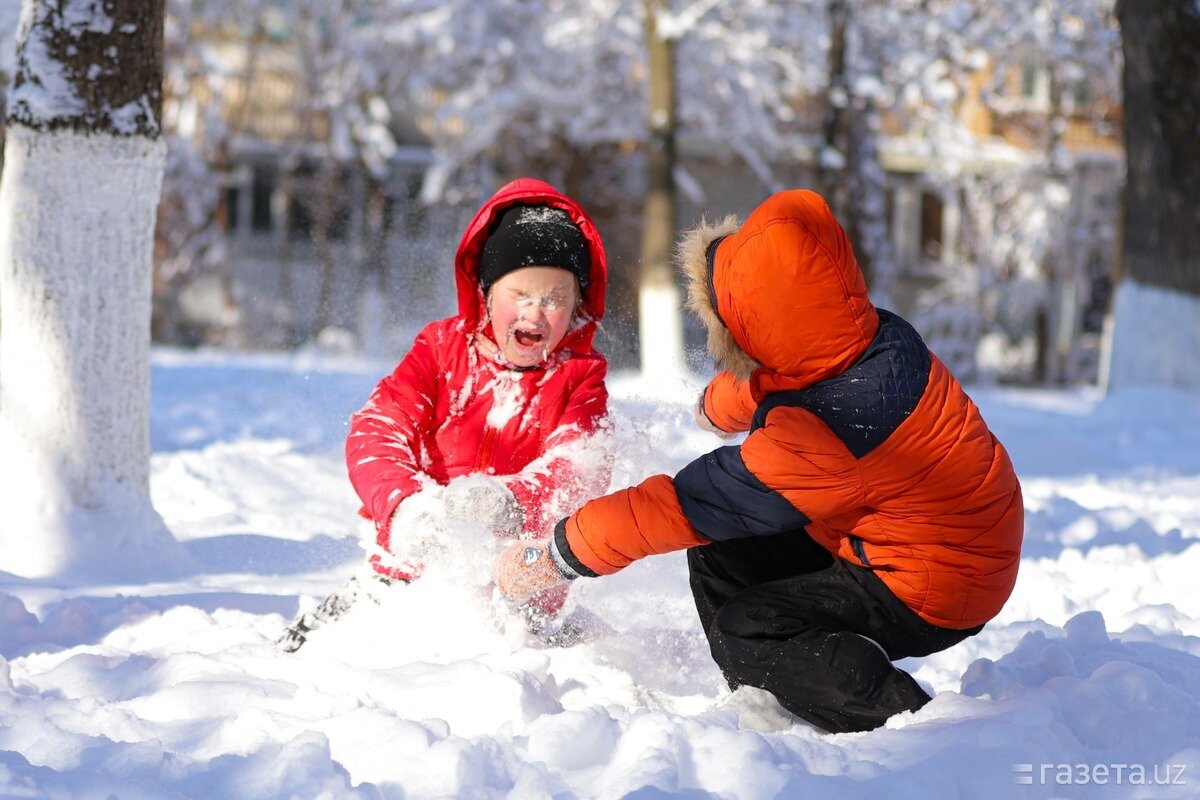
x: 175, y: 689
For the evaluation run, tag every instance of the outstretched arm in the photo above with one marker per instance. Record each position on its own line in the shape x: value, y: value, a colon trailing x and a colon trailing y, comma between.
x: 730, y: 493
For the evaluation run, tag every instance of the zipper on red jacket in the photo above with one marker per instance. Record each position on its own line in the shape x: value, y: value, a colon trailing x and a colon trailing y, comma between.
x: 486, y: 448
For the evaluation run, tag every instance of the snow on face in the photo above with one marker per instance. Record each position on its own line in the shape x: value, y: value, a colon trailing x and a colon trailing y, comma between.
x: 531, y: 310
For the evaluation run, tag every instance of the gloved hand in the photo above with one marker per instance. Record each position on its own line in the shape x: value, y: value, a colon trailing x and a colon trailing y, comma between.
x: 417, y: 528
x: 429, y: 526
x: 416, y: 536
x: 706, y: 424
x: 526, y: 568
x: 483, y: 500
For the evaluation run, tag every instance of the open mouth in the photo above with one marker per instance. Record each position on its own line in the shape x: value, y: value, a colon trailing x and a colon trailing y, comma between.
x: 528, y: 339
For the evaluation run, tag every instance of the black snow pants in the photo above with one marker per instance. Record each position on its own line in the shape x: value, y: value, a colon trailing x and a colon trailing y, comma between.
x: 784, y: 615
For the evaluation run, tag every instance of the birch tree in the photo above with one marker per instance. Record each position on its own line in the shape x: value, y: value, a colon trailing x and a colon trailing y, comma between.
x: 83, y: 169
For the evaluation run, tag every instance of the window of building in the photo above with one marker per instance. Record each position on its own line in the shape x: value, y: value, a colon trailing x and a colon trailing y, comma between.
x: 1097, y: 306
x: 1035, y: 86
x: 233, y: 199
x: 1029, y: 82
x: 931, y: 226
x: 305, y: 203
x: 1081, y: 94
x: 300, y: 221
x: 414, y: 215
x: 262, y: 185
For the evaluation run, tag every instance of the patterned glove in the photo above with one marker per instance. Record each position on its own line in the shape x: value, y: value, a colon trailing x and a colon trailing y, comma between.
x: 416, y: 536
x: 526, y: 568
x: 483, y: 500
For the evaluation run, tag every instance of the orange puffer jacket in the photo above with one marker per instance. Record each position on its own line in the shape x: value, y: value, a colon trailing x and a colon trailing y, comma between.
x: 858, y: 434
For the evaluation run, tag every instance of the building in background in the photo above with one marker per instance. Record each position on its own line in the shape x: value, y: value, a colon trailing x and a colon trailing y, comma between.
x: 298, y: 206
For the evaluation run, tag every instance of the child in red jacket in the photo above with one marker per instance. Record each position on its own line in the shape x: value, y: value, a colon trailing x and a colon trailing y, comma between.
x: 495, y: 418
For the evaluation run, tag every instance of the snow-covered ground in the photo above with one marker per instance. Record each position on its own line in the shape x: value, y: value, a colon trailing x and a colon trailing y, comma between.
x: 1087, y: 685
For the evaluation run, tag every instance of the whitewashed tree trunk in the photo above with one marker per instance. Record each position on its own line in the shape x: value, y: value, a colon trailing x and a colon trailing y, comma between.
x: 660, y: 303
x: 1155, y: 338
x: 1155, y: 333
x: 83, y: 168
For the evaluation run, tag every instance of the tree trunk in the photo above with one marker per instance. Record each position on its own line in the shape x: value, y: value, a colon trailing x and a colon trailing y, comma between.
x: 1156, y: 325
x: 850, y: 175
x: 222, y: 164
x: 865, y: 214
x: 831, y: 160
x: 660, y: 318
x: 281, y: 217
x: 84, y: 165
x: 322, y: 230
x: 372, y: 295
x: 1052, y: 341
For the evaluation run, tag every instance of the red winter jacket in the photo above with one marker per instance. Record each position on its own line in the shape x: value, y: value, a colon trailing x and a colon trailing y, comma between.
x: 447, y: 411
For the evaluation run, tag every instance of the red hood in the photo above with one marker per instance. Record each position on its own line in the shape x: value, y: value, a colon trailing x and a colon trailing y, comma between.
x: 528, y: 191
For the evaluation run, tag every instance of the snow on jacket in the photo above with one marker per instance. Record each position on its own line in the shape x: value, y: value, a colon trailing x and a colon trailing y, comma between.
x: 448, y: 411
x: 858, y: 434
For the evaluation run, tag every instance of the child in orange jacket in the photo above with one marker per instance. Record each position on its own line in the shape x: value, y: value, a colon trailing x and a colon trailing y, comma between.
x: 869, y: 515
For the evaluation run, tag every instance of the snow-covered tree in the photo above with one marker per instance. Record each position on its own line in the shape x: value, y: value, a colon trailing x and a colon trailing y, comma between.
x: 1156, y: 334
x: 337, y: 165
x: 1049, y: 63
x: 83, y: 168
x: 560, y: 90
x: 863, y: 43
x: 944, y: 73
x: 317, y: 71
x: 206, y: 110
x: 9, y: 15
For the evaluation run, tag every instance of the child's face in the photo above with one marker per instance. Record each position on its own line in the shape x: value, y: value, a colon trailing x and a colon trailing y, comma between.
x: 531, y: 311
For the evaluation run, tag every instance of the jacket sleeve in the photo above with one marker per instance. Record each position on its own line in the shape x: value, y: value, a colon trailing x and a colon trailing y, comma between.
x: 785, y: 475
x: 728, y: 403
x: 387, y: 436
x: 611, y: 532
x: 577, y: 462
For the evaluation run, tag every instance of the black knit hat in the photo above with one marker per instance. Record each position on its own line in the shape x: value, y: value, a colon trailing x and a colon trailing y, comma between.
x: 529, y: 236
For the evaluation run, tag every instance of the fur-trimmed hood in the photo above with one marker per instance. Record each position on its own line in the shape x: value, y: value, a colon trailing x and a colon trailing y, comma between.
x: 691, y: 257
x: 781, y: 295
